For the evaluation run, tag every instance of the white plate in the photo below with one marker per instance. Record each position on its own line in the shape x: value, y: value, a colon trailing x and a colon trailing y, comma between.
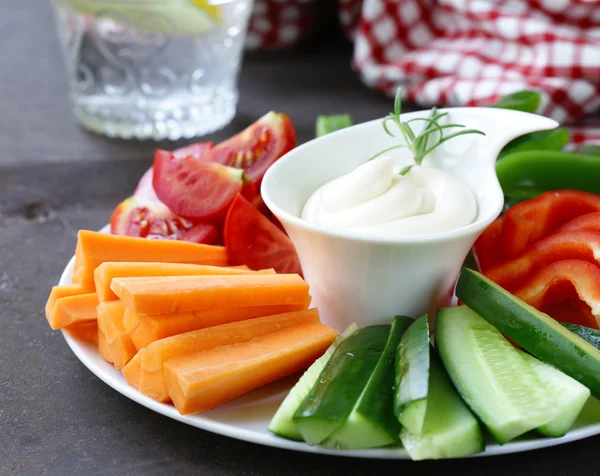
x: 246, y: 418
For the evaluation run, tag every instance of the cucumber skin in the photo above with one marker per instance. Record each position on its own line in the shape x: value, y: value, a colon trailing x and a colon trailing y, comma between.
x: 536, y: 332
x: 588, y: 334
x: 340, y: 385
x: 282, y: 423
x: 570, y: 395
x: 450, y: 429
x: 412, y: 375
x: 376, y: 404
x: 372, y: 423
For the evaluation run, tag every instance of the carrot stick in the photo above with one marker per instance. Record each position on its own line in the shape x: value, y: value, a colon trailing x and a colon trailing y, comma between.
x: 133, y: 371
x: 152, y: 358
x: 58, y: 292
x: 110, y: 322
x: 86, y: 332
x: 104, y: 274
x: 196, y: 293
x: 147, y: 328
x: 103, y: 348
x: 201, y: 381
x: 96, y: 248
x: 71, y: 310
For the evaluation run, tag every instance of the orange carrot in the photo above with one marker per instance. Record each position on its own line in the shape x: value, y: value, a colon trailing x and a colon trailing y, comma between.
x: 110, y: 322
x: 152, y: 358
x: 96, y: 248
x: 196, y: 293
x: 58, y: 292
x: 133, y: 371
x: 147, y: 328
x: 87, y: 332
x: 104, y: 274
x: 103, y: 348
x: 71, y: 310
x: 201, y: 381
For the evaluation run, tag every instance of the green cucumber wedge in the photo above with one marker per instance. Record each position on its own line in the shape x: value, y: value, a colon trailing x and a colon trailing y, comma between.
x: 533, y: 330
x: 412, y: 376
x: 372, y: 423
x: 282, y: 423
x: 339, y: 387
x: 450, y: 429
x: 491, y: 376
x: 570, y: 396
x: 586, y: 333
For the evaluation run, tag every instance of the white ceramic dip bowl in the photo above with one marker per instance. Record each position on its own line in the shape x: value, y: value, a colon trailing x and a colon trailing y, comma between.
x: 369, y: 279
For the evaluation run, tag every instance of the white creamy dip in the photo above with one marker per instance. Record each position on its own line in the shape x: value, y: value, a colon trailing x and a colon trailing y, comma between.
x: 375, y: 199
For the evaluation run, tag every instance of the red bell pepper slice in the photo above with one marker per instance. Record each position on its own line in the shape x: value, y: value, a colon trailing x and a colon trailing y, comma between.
x: 532, y: 220
x: 583, y: 245
x: 487, y: 250
x: 587, y: 222
x: 575, y: 281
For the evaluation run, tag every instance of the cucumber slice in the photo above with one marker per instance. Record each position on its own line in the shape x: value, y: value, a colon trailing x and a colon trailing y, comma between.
x: 372, y: 423
x: 450, y: 429
x: 535, y: 331
x: 330, y: 402
x: 412, y: 376
x: 586, y: 333
x: 282, y: 423
x: 570, y: 396
x: 491, y: 376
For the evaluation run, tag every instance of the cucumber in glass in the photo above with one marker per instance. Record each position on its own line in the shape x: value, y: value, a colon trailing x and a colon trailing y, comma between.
x: 412, y: 376
x: 491, y: 375
x: 282, y: 423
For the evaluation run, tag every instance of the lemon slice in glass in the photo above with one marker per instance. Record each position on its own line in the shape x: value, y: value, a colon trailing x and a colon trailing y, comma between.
x: 180, y: 17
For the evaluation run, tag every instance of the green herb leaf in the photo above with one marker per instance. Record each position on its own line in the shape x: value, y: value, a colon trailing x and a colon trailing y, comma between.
x: 419, y: 144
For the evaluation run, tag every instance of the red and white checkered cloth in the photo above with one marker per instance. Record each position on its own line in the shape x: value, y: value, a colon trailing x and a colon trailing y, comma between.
x: 470, y: 52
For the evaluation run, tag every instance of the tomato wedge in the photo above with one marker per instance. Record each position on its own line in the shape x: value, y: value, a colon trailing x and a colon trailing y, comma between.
x: 143, y: 218
x: 145, y: 189
x: 256, y: 148
x: 251, y: 239
x: 195, y: 189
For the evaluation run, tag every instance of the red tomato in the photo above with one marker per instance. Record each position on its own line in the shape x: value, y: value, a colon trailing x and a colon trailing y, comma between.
x: 261, y: 206
x: 257, y: 147
x: 136, y: 216
x: 145, y: 188
x: 195, y: 189
x: 251, y: 239
x: 204, y: 233
x: 196, y: 150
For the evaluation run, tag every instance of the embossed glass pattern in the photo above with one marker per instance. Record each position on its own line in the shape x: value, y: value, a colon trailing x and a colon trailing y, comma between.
x: 160, y: 69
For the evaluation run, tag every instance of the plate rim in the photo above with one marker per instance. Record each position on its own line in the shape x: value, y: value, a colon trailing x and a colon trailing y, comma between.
x: 82, y: 349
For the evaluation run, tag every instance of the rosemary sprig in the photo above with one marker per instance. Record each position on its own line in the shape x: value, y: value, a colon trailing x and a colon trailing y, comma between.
x: 419, y: 144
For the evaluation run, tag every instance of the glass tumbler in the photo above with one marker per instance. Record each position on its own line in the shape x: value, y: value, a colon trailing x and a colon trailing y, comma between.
x: 152, y: 69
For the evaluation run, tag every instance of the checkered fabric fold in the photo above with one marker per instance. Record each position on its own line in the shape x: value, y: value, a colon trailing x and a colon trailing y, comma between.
x: 461, y: 52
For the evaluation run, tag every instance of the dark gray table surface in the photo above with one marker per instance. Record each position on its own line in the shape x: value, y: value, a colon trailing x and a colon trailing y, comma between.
x: 55, y: 416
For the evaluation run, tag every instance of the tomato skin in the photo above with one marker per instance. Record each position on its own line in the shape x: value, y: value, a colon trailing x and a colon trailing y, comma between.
x: 257, y: 147
x: 251, y: 239
x: 194, y: 189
